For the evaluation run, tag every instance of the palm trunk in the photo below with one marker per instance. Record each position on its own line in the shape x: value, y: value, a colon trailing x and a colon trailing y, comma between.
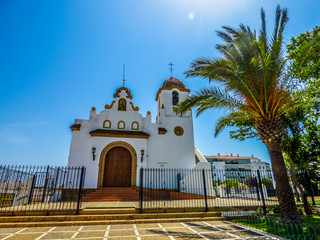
x: 287, y: 205
x: 303, y: 192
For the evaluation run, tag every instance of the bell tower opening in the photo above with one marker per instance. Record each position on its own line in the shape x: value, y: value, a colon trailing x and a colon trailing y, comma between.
x: 175, y: 98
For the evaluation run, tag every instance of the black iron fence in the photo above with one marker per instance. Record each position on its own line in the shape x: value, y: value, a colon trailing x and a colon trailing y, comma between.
x: 36, y: 188
x: 40, y: 188
x: 206, y: 188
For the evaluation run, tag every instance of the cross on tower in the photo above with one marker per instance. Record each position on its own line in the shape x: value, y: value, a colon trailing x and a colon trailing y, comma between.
x: 124, y: 69
x: 171, y: 67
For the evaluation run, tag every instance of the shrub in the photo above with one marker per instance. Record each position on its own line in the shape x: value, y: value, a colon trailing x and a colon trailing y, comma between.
x: 275, y: 209
x: 216, y: 182
x: 259, y: 210
x: 231, y: 183
x: 300, y: 210
x: 267, y: 182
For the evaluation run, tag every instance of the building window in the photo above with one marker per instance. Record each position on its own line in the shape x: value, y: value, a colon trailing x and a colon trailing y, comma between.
x: 135, y: 126
x: 121, y: 125
x: 178, y: 131
x: 122, y: 105
x: 175, y: 98
x: 107, y: 124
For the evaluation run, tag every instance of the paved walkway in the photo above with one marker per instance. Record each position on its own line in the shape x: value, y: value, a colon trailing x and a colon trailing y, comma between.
x: 195, y: 203
x: 156, y: 231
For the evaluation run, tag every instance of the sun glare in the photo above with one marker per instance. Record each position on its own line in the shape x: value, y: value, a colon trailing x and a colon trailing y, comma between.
x: 191, y: 15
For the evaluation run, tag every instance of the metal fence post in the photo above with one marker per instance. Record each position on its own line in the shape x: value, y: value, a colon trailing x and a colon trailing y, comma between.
x: 257, y: 187
x: 205, y: 189
x: 45, y: 185
x: 262, y: 195
x: 56, y: 182
x: 141, y: 190
x: 32, y: 188
x: 81, y: 183
x: 178, y: 180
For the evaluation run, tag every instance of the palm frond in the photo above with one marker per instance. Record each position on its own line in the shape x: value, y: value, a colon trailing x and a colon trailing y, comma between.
x: 208, y: 98
x: 227, y: 73
x: 251, y: 71
x: 263, y: 32
x: 233, y: 119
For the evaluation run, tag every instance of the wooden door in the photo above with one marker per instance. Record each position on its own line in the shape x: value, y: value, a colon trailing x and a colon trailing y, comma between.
x: 117, y: 172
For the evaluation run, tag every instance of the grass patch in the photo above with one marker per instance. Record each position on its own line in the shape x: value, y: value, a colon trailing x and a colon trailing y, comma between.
x: 314, y: 221
x: 310, y: 229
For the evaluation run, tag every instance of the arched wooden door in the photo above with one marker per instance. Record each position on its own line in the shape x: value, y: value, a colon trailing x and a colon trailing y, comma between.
x: 118, y: 164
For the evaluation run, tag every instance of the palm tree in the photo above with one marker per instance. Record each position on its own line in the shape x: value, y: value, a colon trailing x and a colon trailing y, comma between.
x: 252, y: 75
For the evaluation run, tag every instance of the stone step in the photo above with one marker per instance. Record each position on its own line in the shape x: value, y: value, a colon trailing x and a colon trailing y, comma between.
x: 112, y: 194
x: 117, y: 190
x: 111, y: 200
x: 107, y: 222
x: 100, y: 211
x: 111, y: 197
x: 106, y: 217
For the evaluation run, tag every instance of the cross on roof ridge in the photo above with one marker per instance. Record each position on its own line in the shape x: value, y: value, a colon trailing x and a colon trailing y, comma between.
x: 171, y: 67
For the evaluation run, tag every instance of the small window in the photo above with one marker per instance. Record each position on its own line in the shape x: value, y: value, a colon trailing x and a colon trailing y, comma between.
x: 178, y: 131
x: 122, y: 105
x: 107, y: 124
x: 175, y: 98
x: 135, y: 126
x: 121, y: 125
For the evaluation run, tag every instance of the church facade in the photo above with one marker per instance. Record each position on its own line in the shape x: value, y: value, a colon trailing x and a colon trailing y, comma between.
x: 115, y: 143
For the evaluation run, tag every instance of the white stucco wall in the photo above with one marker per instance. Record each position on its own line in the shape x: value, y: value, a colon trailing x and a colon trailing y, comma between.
x: 170, y: 150
x: 199, y: 155
x: 187, y: 184
x: 161, y: 151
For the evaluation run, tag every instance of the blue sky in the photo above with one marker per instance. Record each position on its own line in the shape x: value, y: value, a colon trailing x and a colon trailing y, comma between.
x: 59, y: 58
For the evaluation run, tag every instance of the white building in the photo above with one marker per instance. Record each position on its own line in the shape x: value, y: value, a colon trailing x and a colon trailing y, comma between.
x: 243, y: 166
x: 116, y: 142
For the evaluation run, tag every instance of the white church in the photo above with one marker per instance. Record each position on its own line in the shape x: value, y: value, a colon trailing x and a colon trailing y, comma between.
x: 115, y: 143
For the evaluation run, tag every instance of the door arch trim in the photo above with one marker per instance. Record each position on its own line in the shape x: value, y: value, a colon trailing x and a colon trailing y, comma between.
x: 104, y: 154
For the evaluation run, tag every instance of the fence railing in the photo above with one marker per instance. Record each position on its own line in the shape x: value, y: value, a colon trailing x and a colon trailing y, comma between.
x: 40, y: 188
x: 206, y: 188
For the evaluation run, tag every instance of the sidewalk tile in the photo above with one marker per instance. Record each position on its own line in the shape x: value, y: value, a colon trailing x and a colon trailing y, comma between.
x: 122, y: 233
x: 60, y: 235
x: 30, y: 236
x: 90, y: 234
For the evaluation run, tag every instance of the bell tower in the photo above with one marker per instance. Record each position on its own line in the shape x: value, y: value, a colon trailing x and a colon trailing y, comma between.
x: 168, y: 97
x: 174, y: 139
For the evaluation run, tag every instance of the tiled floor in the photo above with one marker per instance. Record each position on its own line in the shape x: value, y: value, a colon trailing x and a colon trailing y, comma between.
x: 154, y: 231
